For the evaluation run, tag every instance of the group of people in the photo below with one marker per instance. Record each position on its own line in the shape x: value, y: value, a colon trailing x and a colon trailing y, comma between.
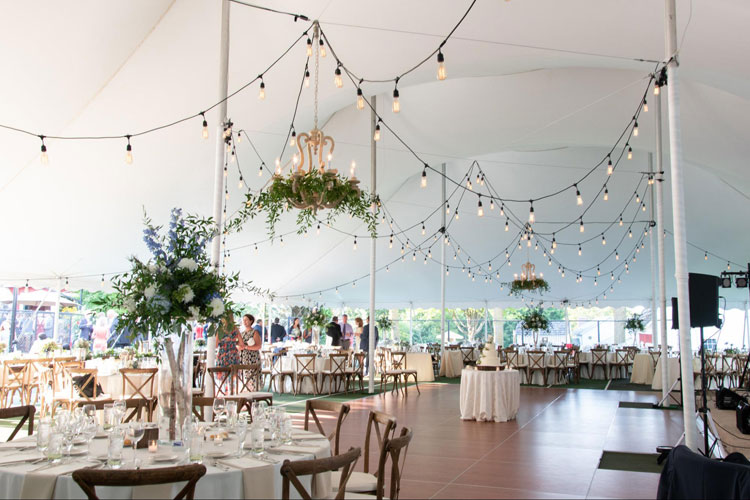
x: 348, y: 337
x: 239, y: 345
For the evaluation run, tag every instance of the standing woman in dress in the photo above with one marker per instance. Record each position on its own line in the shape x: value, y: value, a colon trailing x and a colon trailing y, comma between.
x: 296, y: 330
x: 228, y: 342
x: 249, y: 342
x: 359, y: 326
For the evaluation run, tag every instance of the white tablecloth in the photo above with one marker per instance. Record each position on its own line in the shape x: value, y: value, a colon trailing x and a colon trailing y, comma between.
x: 674, y: 373
x: 289, y: 362
x: 643, y: 369
x: 422, y: 362
x: 452, y: 364
x: 263, y: 480
x: 490, y: 395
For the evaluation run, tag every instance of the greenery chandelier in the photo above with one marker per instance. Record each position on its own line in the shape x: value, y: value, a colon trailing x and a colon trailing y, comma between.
x: 528, y: 281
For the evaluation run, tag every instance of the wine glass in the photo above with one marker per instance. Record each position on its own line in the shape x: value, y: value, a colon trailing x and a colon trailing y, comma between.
x: 220, y: 405
x: 135, y: 433
x: 120, y: 406
x: 89, y: 410
x: 241, y: 430
x: 88, y: 430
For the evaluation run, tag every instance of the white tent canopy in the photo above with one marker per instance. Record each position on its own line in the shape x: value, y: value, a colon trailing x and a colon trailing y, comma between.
x: 537, y: 92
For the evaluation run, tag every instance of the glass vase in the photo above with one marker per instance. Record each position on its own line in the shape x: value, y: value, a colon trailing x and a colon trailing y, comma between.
x: 175, y: 383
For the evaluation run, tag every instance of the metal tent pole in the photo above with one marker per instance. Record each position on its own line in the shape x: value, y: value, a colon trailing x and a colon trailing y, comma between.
x: 660, y: 252
x: 57, y: 308
x: 219, y: 171
x: 680, y: 236
x: 442, y: 267
x: 411, y: 323
x: 373, y: 242
x: 654, y: 278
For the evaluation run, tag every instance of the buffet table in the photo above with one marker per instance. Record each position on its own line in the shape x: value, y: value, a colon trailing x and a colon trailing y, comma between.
x: 229, y: 478
x: 491, y: 396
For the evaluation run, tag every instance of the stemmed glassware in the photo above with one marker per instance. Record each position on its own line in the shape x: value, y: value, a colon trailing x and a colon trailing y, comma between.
x: 241, y: 429
x: 135, y: 433
x: 219, y: 406
x: 119, y: 407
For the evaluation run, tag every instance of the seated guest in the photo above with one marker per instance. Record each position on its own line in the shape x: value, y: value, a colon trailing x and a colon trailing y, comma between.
x: 333, y: 331
x: 277, y: 331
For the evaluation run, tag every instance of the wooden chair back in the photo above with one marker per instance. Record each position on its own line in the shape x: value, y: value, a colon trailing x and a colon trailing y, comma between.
x: 305, y: 364
x: 655, y: 355
x: 622, y: 356
x: 398, y: 360
x: 90, y: 380
x: 338, y: 364
x: 25, y: 412
x: 536, y: 360
x: 384, y: 427
x: 512, y: 356
x: 467, y: 354
x: 246, y: 378
x: 133, y: 388
x: 559, y: 359
x: 88, y: 479
x: 200, y: 403
x: 395, y: 449
x: 599, y: 357
x: 313, y: 406
x: 222, y: 380
x: 359, y: 362
x: 291, y: 471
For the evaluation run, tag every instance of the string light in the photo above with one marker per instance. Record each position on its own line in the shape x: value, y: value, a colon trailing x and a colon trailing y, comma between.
x: 262, y: 91
x: 396, y: 106
x: 729, y: 267
x: 241, y: 183
x: 43, y: 158
x: 506, y: 226
x: 128, y: 152
x: 579, y: 199
x: 705, y: 256
x: 630, y: 233
x: 656, y: 88
x: 617, y: 255
x: 260, y: 170
x: 423, y: 229
x: 579, y: 249
x: 604, y: 241
x: 423, y: 182
x: 102, y: 280
x: 441, y: 74
x: 645, y: 106
x: 502, y: 209
x: 337, y: 80
x: 532, y: 219
x: 606, y: 194
x: 492, y: 204
x: 355, y: 243
x: 307, y: 79
x: 635, y: 129
x: 360, y: 99
x: 620, y: 221
x: 390, y: 242
x: 630, y: 153
x: 204, y: 132
x: 309, y: 47
x: 322, y: 48
x: 456, y: 214
x: 580, y: 226
x: 610, y: 168
x: 480, y: 210
x: 293, y: 138
x: 376, y: 135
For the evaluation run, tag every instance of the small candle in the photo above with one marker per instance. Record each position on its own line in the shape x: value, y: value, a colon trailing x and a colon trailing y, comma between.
x: 153, y: 446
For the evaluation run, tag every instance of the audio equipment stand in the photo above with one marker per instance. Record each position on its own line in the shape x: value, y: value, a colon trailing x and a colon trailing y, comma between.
x: 703, y: 410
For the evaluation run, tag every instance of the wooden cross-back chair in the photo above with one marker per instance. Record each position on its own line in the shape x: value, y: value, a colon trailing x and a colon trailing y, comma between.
x: 574, y: 364
x: 655, y: 355
x: 313, y: 406
x: 200, y: 403
x: 622, y: 360
x: 221, y: 376
x: 292, y: 470
x: 407, y: 373
x: 25, y: 412
x: 395, y: 449
x: 536, y: 361
x: 305, y: 368
x: 88, y: 479
x: 278, y: 373
x: 599, y: 358
x: 73, y: 393
x: 467, y: 355
x: 337, y: 374
x: 559, y: 365
x: 248, y: 385
x: 132, y: 388
x: 394, y: 373
x: 356, y: 372
x: 13, y: 381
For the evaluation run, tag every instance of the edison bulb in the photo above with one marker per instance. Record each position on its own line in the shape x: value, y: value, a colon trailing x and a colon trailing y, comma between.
x: 396, y: 105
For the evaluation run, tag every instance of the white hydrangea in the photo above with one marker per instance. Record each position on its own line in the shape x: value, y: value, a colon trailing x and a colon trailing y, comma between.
x: 194, y: 313
x: 129, y: 304
x: 187, y: 263
x: 216, y: 306
x: 153, y: 268
x: 186, y: 293
x: 150, y: 291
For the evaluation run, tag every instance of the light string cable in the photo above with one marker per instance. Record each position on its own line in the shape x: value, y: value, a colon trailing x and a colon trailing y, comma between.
x: 268, y: 9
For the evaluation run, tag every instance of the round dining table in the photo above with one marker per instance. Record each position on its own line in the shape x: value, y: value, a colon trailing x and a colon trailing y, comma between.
x: 490, y: 396
x: 24, y: 475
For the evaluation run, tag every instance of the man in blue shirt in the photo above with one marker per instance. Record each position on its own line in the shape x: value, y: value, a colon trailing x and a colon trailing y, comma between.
x: 258, y: 327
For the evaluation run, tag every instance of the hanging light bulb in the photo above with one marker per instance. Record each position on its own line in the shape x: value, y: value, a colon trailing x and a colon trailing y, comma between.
x: 260, y: 170
x: 506, y: 226
x: 128, y: 152
x: 396, y: 106
x: 309, y: 48
x: 425, y: 261
x: 441, y: 74
x: 630, y: 153
x: 307, y: 79
x: 604, y: 241
x: 492, y: 204
x: 423, y: 229
x: 322, y: 48
x: 360, y: 99
x: 355, y: 243
x: 337, y: 78
x: 414, y: 257
x: 502, y: 209
x: 480, y: 210
x: 645, y: 106
x: 241, y: 183
x: 620, y: 223
x: 262, y: 90
x: 43, y: 158
x: 456, y: 214
x: 376, y: 135
x: 617, y: 255
x: 102, y: 280
x: 657, y: 90
x: 650, y: 180
x: 643, y: 207
x: 532, y: 219
x: 606, y: 194
x: 579, y: 199
x: 637, y: 198
x: 630, y: 233
x: 579, y: 249
x: 705, y: 256
x: 423, y: 182
x: 610, y: 168
x: 635, y: 129
x: 293, y: 138
x: 580, y: 227
x: 204, y: 132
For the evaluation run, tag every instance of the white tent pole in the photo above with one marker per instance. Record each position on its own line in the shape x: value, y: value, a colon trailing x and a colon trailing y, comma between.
x: 486, y: 331
x: 654, y: 277
x: 373, y: 242
x: 57, y: 308
x: 660, y: 247
x: 744, y: 327
x: 442, y: 268
x: 219, y: 171
x: 680, y: 236
x: 411, y: 323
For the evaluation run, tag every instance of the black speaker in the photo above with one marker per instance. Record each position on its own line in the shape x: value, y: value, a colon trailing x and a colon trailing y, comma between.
x: 727, y: 399
x: 743, y: 417
x: 704, y: 301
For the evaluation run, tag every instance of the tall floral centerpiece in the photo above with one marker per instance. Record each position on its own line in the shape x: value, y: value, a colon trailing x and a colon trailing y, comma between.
x: 176, y: 289
x: 634, y: 325
x: 316, y: 319
x: 534, y: 320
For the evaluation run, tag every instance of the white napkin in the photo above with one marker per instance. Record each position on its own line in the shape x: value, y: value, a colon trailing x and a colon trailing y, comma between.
x: 42, y: 484
x: 257, y: 476
x: 15, y: 457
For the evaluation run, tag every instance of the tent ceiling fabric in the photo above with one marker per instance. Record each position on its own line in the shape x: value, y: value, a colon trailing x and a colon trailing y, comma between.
x: 537, y: 92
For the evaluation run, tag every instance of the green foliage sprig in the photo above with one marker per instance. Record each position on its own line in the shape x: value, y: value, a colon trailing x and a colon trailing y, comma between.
x: 384, y: 323
x: 534, y: 320
x: 315, y: 317
x: 635, y: 324
x: 518, y: 287
x: 336, y: 190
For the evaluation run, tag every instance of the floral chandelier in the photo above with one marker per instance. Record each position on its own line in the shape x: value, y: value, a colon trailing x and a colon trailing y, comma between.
x: 528, y: 281
x: 315, y: 186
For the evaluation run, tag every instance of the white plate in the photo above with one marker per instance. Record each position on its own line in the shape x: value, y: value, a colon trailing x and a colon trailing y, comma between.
x: 164, y: 457
x: 79, y: 440
x: 82, y: 450
x: 217, y: 454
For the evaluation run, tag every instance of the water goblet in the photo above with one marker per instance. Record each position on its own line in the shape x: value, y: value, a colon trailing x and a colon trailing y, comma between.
x: 231, y: 413
x: 135, y: 433
x: 42, y: 435
x: 241, y: 429
x: 286, y: 429
x: 55, y: 447
x: 219, y: 406
x: 109, y: 417
x: 120, y: 406
x: 114, y: 448
x: 257, y: 437
x: 89, y: 410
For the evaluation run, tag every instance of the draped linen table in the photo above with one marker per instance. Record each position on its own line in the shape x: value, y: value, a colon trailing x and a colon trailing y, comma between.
x: 422, y: 362
x: 246, y: 477
x: 490, y: 396
x: 674, y: 373
x: 643, y: 369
